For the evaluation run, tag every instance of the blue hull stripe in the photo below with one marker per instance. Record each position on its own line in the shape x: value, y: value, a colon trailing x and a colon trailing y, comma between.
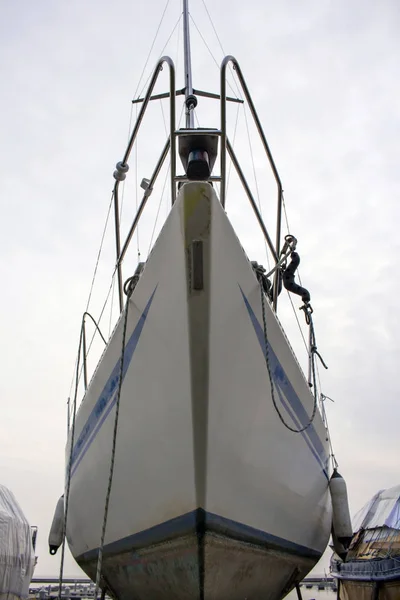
x: 285, y: 390
x: 186, y: 524
x: 108, y: 396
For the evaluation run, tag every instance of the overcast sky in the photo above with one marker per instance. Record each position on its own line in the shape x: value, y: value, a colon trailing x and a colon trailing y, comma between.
x: 324, y: 76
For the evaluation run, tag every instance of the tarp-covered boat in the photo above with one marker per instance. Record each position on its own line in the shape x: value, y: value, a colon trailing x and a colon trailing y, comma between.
x: 371, y: 570
x: 17, y: 557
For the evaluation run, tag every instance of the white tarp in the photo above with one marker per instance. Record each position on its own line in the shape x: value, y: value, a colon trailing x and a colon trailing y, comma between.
x: 383, y: 510
x: 17, y: 558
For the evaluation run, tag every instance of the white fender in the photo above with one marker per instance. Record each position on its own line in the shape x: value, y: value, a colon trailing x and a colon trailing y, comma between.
x: 342, y: 530
x: 57, y: 527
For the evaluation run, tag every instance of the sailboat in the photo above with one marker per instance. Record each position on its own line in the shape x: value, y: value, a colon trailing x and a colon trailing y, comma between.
x: 198, y: 462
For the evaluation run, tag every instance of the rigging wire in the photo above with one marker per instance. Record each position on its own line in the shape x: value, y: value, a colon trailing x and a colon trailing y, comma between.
x: 179, y: 124
x: 256, y: 182
x: 138, y: 85
x: 289, y: 295
x: 181, y: 115
x: 124, y: 182
x: 93, y: 279
x: 166, y: 203
x: 298, y: 323
x: 233, y: 146
x: 130, y: 123
x: 319, y: 378
x: 165, y: 182
x: 103, y: 309
x: 285, y: 213
x: 325, y: 419
x: 98, y: 322
x: 177, y: 48
x: 100, y: 250
x: 131, y: 116
x: 136, y: 189
x: 111, y: 305
x: 332, y: 453
x: 178, y: 40
x: 159, y: 207
x: 288, y: 229
x: 204, y: 41
x: 236, y: 94
x: 163, y: 116
x: 161, y: 54
x: 73, y: 378
x: 123, y: 195
x: 209, y: 50
x: 223, y: 51
x: 151, y: 49
x: 213, y: 26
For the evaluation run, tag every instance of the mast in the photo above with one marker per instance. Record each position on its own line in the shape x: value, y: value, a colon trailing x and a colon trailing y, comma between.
x: 190, y: 99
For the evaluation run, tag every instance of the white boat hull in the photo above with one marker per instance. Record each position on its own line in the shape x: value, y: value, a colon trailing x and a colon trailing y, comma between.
x: 212, y: 496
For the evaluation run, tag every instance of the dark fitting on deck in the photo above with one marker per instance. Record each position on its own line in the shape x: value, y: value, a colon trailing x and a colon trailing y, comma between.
x: 198, y: 153
x: 198, y: 165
